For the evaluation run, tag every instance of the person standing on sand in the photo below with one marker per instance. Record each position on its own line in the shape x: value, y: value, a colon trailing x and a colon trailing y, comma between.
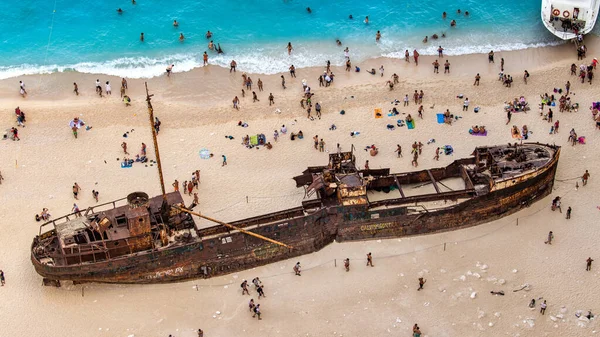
x: 224, y: 163
x: 569, y: 213
x: 316, y: 141
x: 2, y: 279
x: 491, y: 57
x: 251, y: 304
x: 124, y: 84
x: 347, y: 264
x: 398, y: 151
x: 406, y: 99
x: 321, y: 146
x: 260, y: 84
x: 244, y: 286
x: 447, y: 67
x: 75, y: 88
x: 550, y: 238
x: 283, y: 81
x: 367, y: 165
x: 416, y: 57
x: 415, y: 162
x: 437, y: 154
x: 502, y: 64
x: 369, y: 260
x: 543, y: 308
x: 190, y: 188
x: 257, y: 311
x: 169, y: 70
x: 254, y: 97
x: 1, y: 178
x: 421, y: 283
x: 568, y: 87
x: 297, y: 269
x: 108, y: 88
x: 22, y: 89
x: 588, y: 264
x: 205, y: 57
x: 407, y: 56
x: 232, y: 66
x: 585, y: 177
x: 260, y: 290
x: 196, y: 201
x: 143, y: 150
x: 236, y: 103
x: 436, y: 67
x: 124, y: 146
x: 525, y: 76
x: 76, y: 210
x: 175, y: 185
x: 440, y: 51
x: 271, y: 98
x: 292, y: 71
x: 76, y: 190
x: 477, y: 78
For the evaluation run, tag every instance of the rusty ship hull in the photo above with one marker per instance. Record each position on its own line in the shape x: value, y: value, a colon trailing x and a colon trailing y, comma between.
x: 215, y: 251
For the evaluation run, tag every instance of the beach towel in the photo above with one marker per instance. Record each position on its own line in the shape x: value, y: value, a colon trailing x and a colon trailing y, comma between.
x: 411, y: 125
x: 478, y: 134
x: 440, y: 118
x: 377, y: 113
x: 126, y: 165
x: 254, y: 140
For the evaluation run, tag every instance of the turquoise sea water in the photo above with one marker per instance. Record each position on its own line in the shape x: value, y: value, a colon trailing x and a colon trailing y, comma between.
x: 90, y: 36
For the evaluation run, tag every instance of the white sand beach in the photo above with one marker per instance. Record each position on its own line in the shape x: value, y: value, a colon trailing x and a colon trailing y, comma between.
x: 461, y: 267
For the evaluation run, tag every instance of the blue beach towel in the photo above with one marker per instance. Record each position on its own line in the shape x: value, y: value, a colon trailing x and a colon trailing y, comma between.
x: 411, y: 125
x: 440, y: 118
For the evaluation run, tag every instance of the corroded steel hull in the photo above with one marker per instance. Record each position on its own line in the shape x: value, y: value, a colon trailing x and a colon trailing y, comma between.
x: 220, y: 252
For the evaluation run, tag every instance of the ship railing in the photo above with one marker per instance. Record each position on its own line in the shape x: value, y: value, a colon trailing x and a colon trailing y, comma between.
x: 68, y: 217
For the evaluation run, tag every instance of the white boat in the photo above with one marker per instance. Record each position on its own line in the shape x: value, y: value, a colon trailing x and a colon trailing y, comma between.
x: 568, y: 18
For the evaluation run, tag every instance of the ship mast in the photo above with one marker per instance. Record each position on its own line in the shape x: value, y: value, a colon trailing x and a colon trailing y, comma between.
x: 156, y: 152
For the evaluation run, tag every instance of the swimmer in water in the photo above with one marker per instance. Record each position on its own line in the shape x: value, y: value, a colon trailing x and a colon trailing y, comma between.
x: 120, y: 11
x: 350, y: 17
x: 211, y: 45
x: 208, y: 34
x: 308, y: 10
x: 444, y: 15
x: 181, y: 37
x: 338, y: 42
x: 453, y: 23
x: 219, y: 50
x: 443, y: 34
x: 289, y: 48
x: 175, y: 23
x: 458, y: 11
x: 467, y: 13
x: 425, y: 39
x: 367, y: 20
x: 142, y: 37
x: 133, y: 2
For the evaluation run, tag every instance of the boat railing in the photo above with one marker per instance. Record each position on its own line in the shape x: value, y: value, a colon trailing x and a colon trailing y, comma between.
x: 68, y: 217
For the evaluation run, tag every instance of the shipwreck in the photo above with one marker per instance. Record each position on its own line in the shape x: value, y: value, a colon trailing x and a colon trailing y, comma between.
x: 139, y: 239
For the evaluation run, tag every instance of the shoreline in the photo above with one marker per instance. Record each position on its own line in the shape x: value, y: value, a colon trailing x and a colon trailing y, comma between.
x: 148, y: 68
